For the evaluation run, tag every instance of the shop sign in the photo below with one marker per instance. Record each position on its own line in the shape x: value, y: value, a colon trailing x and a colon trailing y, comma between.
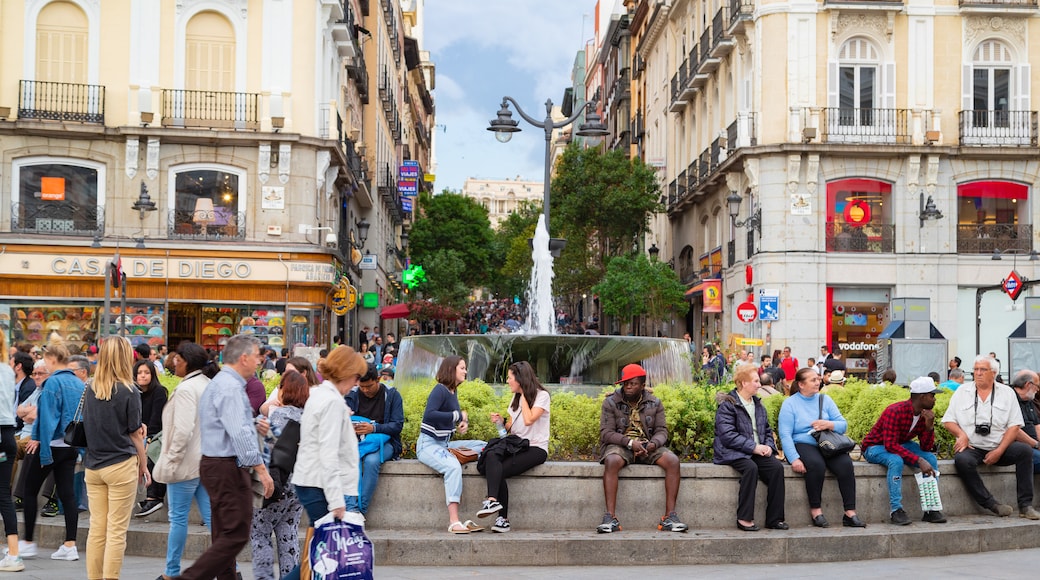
x: 747, y: 312
x: 750, y: 342
x: 801, y: 204
x: 370, y: 300
x: 368, y: 262
x: 1012, y: 285
x: 769, y: 305
x: 712, y: 296
x: 52, y: 188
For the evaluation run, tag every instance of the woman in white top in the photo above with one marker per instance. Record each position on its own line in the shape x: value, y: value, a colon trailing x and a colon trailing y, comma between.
x: 528, y: 420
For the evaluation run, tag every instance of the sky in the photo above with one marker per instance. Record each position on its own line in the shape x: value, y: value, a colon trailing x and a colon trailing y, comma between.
x: 483, y: 50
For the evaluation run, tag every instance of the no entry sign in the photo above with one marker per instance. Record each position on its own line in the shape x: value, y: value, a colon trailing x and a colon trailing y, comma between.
x: 747, y: 312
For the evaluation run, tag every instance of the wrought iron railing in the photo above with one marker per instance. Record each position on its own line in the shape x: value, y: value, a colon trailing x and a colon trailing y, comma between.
x: 717, y: 147
x: 692, y: 174
x: 719, y: 27
x: 705, y: 164
x: 210, y: 226
x: 985, y: 238
x: 57, y: 218
x: 681, y: 183
x: 61, y: 101
x: 741, y: 10
x: 871, y: 239
x: 1000, y: 3
x: 734, y: 139
x: 1007, y: 128
x: 705, y: 45
x: 673, y: 193
x: 210, y: 109
x: 852, y: 125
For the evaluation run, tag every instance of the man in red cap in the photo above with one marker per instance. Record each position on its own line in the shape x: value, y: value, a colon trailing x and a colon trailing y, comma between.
x: 632, y: 429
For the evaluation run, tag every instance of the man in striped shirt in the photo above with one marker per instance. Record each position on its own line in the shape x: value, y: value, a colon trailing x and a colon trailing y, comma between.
x: 229, y: 450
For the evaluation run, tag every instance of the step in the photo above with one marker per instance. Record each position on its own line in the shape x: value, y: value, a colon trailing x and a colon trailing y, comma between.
x: 633, y: 546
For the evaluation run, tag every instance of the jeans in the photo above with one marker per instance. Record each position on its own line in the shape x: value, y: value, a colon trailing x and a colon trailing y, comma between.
x: 180, y: 495
x: 112, y: 490
x: 1036, y: 461
x: 435, y: 454
x: 370, y: 465
x: 877, y: 454
x: 314, y: 503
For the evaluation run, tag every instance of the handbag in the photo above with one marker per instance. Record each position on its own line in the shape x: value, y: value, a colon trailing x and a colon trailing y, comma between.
x: 76, y: 432
x: 154, y: 448
x: 464, y: 454
x: 338, y: 549
x: 283, y: 459
x: 831, y: 443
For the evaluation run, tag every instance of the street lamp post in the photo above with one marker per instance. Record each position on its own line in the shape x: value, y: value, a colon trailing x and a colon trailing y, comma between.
x: 504, y: 126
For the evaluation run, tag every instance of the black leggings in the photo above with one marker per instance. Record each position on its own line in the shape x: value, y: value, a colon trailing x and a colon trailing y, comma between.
x: 9, y: 446
x: 497, y: 470
x: 815, y: 470
x: 64, y: 468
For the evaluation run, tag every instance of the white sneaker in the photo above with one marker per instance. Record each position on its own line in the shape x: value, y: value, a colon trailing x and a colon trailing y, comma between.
x: 12, y: 564
x: 66, y: 553
x: 25, y: 549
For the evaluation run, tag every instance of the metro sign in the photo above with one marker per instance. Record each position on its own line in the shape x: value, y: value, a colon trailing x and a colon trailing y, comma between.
x: 1012, y: 285
x: 747, y: 312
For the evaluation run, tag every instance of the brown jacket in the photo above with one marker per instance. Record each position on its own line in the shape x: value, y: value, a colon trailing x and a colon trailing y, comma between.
x: 613, y: 420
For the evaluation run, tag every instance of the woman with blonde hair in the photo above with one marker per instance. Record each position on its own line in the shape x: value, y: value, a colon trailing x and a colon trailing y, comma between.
x: 55, y: 408
x: 115, y: 459
x: 9, y: 445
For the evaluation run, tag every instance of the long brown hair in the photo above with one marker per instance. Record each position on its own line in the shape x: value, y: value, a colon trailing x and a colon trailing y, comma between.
x: 529, y: 385
x: 446, y: 374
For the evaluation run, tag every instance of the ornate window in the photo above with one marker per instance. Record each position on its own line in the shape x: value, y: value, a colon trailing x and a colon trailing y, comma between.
x: 993, y: 215
x: 859, y: 216
x: 208, y: 203
x: 996, y: 98
x: 861, y: 95
x: 58, y: 196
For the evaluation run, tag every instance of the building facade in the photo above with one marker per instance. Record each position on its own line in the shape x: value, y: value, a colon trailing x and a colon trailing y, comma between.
x: 217, y: 147
x: 501, y: 197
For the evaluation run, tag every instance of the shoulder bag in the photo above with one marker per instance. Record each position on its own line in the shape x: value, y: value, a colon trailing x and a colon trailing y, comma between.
x: 829, y: 442
x: 75, y: 432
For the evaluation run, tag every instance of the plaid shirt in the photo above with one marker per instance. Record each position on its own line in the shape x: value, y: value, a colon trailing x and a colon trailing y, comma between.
x: 893, y: 429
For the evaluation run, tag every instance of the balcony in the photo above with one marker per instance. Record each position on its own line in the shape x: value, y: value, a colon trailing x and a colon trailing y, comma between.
x: 708, y: 63
x: 386, y: 90
x: 223, y: 225
x: 869, y: 239
x: 210, y: 109
x: 57, y: 218
x: 849, y: 125
x: 677, y: 104
x: 998, y: 5
x: 704, y: 166
x: 673, y: 193
x: 692, y: 177
x: 985, y: 238
x: 718, y: 152
x: 741, y: 132
x: 681, y: 190
x: 356, y: 71
x: 998, y: 128
x: 872, y: 4
x: 740, y: 13
x: 722, y: 42
x: 61, y: 102
x: 697, y: 78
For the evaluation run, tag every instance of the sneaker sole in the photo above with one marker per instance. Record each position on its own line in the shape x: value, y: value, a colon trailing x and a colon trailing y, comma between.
x: 674, y: 529
x: 486, y: 513
x: 148, y: 512
x: 500, y: 530
x: 13, y: 568
x: 609, y: 530
x: 65, y: 558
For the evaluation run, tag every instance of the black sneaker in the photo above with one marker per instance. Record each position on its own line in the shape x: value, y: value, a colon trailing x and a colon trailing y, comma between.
x: 671, y: 523
x: 150, y: 507
x: 501, y: 525
x: 899, y: 518
x: 610, y: 524
x: 934, y: 517
x: 50, y: 510
x: 489, y: 507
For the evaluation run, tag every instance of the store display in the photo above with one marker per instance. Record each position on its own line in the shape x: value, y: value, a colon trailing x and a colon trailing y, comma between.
x: 77, y: 325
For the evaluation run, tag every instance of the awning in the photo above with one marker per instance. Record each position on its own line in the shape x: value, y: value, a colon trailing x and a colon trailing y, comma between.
x: 695, y: 290
x: 394, y: 311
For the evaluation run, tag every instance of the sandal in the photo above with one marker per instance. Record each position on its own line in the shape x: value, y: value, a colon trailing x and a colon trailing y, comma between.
x: 458, y: 528
x: 472, y: 526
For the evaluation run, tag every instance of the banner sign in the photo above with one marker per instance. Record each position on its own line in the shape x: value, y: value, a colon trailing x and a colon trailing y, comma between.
x: 769, y: 305
x: 712, y: 296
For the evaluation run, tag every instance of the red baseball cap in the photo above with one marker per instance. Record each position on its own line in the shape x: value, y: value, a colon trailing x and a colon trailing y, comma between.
x: 632, y: 371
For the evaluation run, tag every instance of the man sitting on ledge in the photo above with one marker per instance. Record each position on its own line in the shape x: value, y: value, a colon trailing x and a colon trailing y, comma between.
x: 632, y: 429
x: 985, y: 418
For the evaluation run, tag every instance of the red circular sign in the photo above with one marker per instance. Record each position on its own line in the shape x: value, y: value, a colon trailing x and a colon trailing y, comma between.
x: 857, y: 213
x: 747, y: 312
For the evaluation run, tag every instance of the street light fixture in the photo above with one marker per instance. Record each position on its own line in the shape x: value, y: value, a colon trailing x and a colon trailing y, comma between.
x: 753, y: 221
x: 653, y: 251
x: 144, y: 201
x: 929, y: 211
x: 503, y: 126
x: 362, y: 231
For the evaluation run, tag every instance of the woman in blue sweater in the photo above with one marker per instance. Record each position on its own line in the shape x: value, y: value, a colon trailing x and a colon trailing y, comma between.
x: 440, y: 420
x: 799, y: 416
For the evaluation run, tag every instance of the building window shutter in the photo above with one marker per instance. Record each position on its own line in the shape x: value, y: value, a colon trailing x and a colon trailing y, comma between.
x: 889, y: 100
x: 966, y: 88
x: 832, y: 83
x: 1023, y: 88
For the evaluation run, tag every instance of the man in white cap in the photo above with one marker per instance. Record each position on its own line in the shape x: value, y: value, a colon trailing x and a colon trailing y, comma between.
x: 633, y: 430
x: 890, y: 443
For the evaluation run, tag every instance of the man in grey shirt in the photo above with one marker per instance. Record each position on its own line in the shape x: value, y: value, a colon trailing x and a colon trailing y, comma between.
x: 229, y: 449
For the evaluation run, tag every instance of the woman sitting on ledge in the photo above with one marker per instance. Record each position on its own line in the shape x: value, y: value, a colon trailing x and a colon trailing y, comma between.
x: 744, y: 440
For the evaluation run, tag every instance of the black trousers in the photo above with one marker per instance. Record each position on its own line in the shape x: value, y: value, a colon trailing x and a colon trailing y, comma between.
x: 1018, y: 454
x: 64, y: 468
x: 815, y: 471
x: 769, y: 471
x: 498, y: 470
x: 156, y: 489
x: 9, y: 446
x: 231, y: 507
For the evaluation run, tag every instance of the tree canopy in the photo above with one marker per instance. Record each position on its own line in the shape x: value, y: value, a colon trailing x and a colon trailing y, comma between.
x: 637, y: 286
x: 452, y: 239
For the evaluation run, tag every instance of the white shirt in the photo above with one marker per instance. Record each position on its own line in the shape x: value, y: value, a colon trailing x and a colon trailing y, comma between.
x: 1000, y: 411
x: 324, y: 427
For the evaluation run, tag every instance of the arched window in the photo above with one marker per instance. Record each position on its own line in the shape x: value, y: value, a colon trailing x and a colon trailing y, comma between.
x: 209, y: 53
x: 61, y: 44
x: 58, y: 196
x: 686, y: 269
x: 995, y: 99
x: 859, y: 216
x: 859, y: 95
x: 993, y: 215
x: 208, y: 202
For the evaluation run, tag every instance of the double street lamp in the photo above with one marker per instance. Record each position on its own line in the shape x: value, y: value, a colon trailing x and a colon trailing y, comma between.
x: 504, y: 126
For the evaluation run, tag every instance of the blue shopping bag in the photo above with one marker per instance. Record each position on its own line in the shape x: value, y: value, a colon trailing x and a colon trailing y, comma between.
x: 338, y: 550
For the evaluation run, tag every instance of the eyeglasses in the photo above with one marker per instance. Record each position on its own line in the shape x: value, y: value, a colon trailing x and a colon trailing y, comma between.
x: 39, y: 374
x: 985, y: 370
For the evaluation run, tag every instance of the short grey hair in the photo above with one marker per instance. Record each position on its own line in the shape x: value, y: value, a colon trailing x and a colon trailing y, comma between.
x: 80, y: 360
x: 239, y: 345
x: 992, y: 362
x: 1022, y: 378
x: 957, y: 374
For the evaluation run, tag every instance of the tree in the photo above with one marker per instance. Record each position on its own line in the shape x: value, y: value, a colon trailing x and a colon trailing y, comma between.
x: 637, y: 286
x: 450, y: 221
x: 444, y: 272
x: 602, y: 203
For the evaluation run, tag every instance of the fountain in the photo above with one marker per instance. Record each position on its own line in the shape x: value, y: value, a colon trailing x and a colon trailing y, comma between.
x: 566, y: 361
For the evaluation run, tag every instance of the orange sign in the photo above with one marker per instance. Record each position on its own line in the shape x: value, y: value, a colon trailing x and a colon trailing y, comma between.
x: 712, y: 296
x: 857, y: 214
x: 52, y: 188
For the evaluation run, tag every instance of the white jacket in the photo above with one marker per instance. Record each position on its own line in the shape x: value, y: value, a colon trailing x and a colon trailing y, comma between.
x: 182, y: 437
x: 328, y: 453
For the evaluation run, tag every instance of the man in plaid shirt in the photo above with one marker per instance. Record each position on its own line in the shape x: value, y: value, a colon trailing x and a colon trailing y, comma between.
x: 890, y: 443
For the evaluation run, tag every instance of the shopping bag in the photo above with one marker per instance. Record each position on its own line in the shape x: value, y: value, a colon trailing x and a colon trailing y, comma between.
x: 338, y: 549
x: 928, y: 487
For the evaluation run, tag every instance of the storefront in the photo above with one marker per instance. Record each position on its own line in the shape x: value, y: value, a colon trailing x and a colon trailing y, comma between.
x: 281, y: 299
x: 857, y: 316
